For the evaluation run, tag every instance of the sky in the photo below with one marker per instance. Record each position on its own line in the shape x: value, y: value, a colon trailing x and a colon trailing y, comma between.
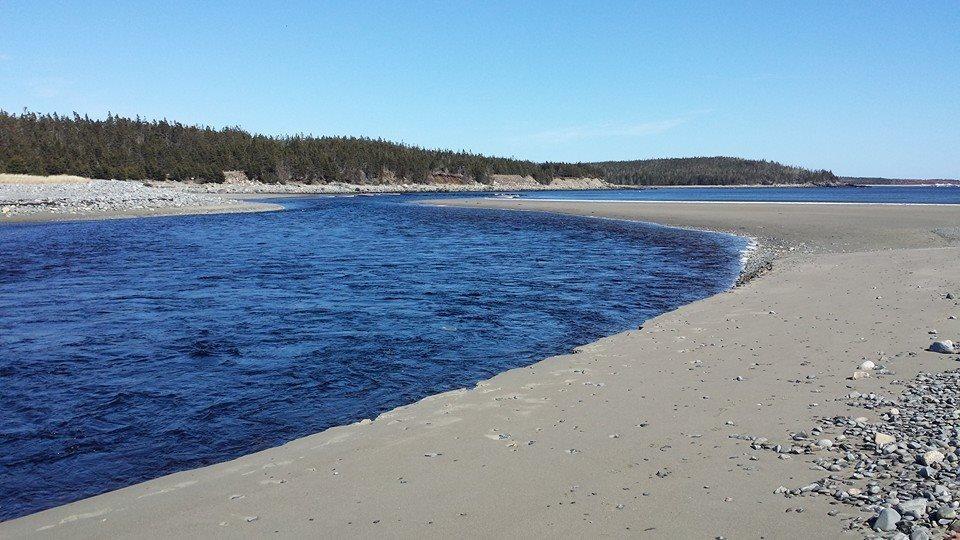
x: 861, y: 88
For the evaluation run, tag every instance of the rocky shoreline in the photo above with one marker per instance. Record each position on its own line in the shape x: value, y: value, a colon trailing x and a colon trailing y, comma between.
x: 84, y: 199
x: 498, y: 183
x: 39, y: 198
x: 900, y: 470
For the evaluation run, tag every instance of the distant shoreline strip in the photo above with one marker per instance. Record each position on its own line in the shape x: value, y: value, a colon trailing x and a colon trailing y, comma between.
x: 723, y: 202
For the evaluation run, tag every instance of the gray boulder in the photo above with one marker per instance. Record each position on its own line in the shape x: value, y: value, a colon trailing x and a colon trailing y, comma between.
x: 913, y: 507
x: 945, y: 346
x: 887, y: 520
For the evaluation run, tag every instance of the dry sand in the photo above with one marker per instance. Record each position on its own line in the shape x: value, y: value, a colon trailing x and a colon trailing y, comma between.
x: 629, y: 435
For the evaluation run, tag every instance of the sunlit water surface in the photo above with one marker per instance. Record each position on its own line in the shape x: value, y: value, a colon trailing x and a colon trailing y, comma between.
x: 134, y: 348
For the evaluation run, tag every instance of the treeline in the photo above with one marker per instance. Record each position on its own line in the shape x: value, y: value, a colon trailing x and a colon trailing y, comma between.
x: 125, y: 148
x: 708, y: 171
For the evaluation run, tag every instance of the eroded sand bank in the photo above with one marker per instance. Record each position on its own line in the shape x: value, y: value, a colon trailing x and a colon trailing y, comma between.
x: 631, y: 435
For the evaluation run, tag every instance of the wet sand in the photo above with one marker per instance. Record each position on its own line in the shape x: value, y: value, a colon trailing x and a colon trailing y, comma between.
x: 629, y: 435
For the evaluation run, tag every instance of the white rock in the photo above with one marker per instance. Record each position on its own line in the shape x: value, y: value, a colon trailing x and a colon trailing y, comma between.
x: 931, y: 457
x: 882, y: 439
x: 867, y: 366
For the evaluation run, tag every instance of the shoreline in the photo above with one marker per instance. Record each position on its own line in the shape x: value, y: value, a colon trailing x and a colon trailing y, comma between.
x: 73, y: 198
x: 335, y: 188
x: 612, y: 438
x: 506, y: 183
x: 33, y: 199
x: 49, y: 217
x: 755, y: 257
x: 604, y: 201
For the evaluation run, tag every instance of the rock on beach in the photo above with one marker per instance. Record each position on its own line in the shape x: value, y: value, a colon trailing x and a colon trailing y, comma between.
x: 945, y: 346
x: 887, y: 520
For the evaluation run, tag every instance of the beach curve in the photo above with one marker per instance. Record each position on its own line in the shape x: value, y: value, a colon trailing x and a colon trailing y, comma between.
x: 629, y: 434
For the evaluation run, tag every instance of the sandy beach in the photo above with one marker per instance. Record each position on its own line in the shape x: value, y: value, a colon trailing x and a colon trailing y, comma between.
x: 650, y: 432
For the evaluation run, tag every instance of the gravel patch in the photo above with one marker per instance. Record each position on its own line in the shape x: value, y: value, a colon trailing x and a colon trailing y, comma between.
x: 99, y: 196
x: 902, y: 472
x: 333, y: 188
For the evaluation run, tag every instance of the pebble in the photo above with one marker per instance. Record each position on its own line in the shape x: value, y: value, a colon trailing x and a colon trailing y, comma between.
x: 931, y: 457
x: 947, y: 512
x: 887, y: 520
x: 882, y: 439
x: 914, y: 507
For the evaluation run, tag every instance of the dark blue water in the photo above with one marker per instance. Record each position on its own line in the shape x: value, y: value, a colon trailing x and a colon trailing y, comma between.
x: 867, y: 194
x: 134, y: 348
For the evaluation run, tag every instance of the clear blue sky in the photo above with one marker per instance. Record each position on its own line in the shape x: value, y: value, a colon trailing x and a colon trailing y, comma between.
x: 862, y: 88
